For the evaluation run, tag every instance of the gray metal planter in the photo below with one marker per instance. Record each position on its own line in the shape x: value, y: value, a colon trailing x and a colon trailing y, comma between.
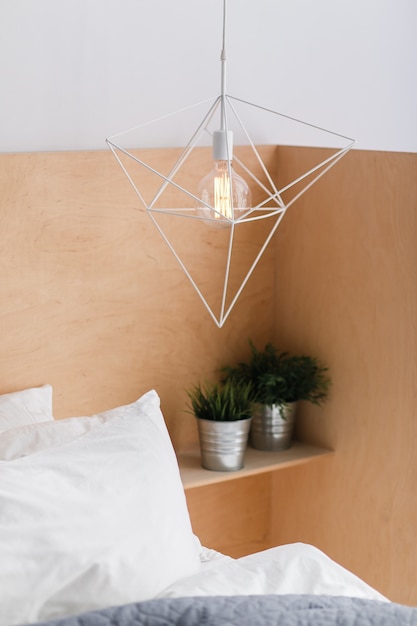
x: 223, y: 444
x: 272, y: 426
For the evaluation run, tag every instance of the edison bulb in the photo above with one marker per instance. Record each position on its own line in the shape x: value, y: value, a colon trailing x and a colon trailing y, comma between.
x: 223, y: 189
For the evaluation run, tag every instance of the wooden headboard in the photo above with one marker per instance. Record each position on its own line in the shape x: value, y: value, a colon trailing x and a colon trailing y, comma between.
x: 93, y: 301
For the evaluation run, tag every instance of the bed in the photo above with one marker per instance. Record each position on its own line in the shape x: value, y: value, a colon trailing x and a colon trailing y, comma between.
x: 95, y: 530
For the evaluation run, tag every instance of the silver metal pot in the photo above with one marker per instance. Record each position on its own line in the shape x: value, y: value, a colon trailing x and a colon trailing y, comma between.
x: 272, y: 426
x: 223, y: 444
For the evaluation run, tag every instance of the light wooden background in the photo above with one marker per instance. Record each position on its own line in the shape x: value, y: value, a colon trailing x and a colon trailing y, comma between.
x: 93, y: 302
x: 346, y: 289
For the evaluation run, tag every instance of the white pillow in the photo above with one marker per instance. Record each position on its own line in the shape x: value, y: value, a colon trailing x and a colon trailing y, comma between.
x: 98, y: 521
x: 28, y: 406
x: 25, y: 440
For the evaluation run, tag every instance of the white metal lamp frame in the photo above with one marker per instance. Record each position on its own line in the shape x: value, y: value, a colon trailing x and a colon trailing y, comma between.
x: 272, y: 206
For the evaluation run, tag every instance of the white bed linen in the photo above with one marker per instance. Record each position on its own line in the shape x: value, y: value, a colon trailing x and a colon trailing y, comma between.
x: 27, y: 406
x: 97, y: 521
x: 48, y: 482
x: 296, y: 568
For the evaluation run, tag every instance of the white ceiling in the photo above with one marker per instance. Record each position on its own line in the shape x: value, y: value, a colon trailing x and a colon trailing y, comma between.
x: 76, y: 71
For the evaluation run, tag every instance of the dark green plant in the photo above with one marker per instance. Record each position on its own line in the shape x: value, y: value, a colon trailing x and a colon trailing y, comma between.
x: 278, y: 377
x: 221, y: 402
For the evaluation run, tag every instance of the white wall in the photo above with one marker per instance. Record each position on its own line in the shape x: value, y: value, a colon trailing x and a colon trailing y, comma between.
x: 76, y: 71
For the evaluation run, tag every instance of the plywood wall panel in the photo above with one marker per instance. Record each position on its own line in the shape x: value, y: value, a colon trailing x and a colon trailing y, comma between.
x: 346, y: 291
x: 233, y: 517
x: 93, y: 301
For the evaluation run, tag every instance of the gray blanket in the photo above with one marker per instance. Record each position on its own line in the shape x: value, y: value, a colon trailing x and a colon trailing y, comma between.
x: 287, y: 610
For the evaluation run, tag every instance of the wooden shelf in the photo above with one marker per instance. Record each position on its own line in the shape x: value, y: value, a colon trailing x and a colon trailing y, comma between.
x: 256, y: 462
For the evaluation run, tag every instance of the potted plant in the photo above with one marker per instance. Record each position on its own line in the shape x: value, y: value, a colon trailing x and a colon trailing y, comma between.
x: 279, y: 381
x: 224, y: 413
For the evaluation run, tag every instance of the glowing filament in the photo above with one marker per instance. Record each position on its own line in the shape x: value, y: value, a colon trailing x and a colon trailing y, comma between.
x: 222, y: 196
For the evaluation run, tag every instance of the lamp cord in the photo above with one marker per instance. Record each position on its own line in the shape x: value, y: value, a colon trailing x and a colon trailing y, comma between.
x: 223, y: 68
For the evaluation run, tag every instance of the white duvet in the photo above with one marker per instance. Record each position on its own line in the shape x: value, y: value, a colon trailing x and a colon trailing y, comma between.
x: 289, y: 569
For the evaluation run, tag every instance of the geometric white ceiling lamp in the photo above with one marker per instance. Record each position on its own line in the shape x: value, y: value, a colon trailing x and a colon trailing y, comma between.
x: 216, y: 200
